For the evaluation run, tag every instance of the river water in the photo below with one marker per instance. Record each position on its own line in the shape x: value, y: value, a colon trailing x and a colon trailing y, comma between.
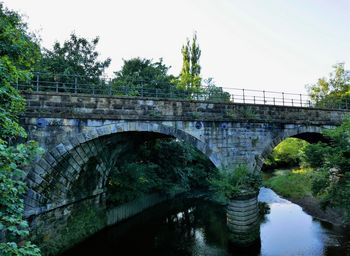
x: 197, y: 227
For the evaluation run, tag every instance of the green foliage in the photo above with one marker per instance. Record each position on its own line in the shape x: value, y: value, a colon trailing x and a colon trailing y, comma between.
x: 329, y: 176
x: 76, y: 56
x: 19, y: 52
x: 160, y: 165
x: 314, y: 154
x: 228, y: 183
x: 247, y: 112
x: 333, y: 91
x: 336, y: 154
x: 288, y: 153
x: 294, y: 184
x: 332, y: 183
x: 13, y: 249
x: 142, y: 77
x: 83, y: 220
x: 320, y: 182
x: 215, y: 93
x: 190, y: 79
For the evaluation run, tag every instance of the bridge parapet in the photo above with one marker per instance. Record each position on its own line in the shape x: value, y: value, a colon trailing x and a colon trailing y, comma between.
x: 81, y: 106
x: 75, y: 84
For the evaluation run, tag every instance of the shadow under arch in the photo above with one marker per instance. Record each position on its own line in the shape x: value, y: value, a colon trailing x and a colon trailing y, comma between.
x: 312, y: 137
x: 52, y: 212
x: 46, y: 173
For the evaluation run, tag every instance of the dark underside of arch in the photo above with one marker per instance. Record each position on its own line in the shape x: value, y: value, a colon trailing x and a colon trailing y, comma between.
x: 312, y: 137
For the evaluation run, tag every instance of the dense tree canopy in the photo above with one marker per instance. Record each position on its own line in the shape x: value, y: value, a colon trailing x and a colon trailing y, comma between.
x: 143, y: 77
x: 333, y: 91
x: 19, y: 52
x: 76, y: 56
x: 214, y: 93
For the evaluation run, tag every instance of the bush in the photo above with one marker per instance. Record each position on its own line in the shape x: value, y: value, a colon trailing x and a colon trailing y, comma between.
x: 295, y: 184
x: 229, y: 183
x: 314, y: 154
x: 320, y: 181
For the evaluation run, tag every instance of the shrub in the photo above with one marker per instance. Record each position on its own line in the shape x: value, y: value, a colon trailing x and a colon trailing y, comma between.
x: 229, y: 183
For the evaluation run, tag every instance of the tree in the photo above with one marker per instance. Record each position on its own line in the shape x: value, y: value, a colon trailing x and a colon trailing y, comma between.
x: 77, y: 56
x: 214, y: 93
x: 189, y: 78
x: 143, y: 77
x: 288, y: 153
x: 332, y: 161
x: 165, y: 166
x: 332, y: 91
x: 19, y: 52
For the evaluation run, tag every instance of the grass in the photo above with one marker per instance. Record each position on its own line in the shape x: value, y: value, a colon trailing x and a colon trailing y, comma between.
x: 293, y: 184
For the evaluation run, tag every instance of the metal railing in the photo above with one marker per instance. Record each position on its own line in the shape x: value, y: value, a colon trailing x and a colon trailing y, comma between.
x: 46, y: 82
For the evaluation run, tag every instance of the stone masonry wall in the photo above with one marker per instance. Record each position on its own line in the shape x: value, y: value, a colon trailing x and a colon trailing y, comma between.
x: 129, y: 108
x: 81, y: 135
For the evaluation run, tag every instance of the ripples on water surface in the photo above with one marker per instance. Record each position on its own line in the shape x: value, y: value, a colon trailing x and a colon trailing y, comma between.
x: 197, y: 227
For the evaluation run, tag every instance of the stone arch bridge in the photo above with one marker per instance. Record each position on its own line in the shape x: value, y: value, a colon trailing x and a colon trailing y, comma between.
x: 74, y: 129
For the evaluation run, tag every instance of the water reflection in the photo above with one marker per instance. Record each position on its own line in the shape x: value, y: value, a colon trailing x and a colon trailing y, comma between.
x: 288, y: 230
x: 198, y: 227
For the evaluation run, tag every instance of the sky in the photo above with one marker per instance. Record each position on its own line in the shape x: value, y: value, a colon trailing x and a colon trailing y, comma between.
x: 257, y: 44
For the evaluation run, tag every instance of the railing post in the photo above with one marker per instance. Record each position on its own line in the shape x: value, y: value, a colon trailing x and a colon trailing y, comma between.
x: 309, y: 104
x: 274, y: 102
x: 37, y: 82
x: 110, y: 87
x: 156, y: 93
x: 75, y: 84
x: 141, y: 89
x: 292, y: 103
x: 56, y: 86
x: 254, y: 99
x: 93, y: 89
x: 301, y: 100
x: 233, y: 98
x: 125, y: 91
x: 243, y: 96
x: 283, y: 98
x: 264, y: 98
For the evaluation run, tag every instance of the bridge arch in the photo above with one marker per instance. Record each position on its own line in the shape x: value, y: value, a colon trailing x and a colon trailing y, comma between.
x: 75, y: 154
x: 311, y: 134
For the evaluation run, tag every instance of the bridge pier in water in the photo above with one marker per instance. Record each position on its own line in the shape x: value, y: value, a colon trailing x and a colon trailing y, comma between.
x: 243, y: 220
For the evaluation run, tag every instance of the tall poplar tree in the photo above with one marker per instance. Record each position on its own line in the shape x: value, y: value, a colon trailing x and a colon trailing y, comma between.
x: 195, y: 67
x: 190, y: 73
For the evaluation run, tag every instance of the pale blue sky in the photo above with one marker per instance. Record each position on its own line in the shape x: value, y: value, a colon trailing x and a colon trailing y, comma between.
x: 279, y: 45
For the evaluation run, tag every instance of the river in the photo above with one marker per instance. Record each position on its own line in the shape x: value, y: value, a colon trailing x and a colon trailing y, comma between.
x: 197, y: 227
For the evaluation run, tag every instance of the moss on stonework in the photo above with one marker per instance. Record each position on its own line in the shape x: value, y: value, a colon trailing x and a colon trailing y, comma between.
x: 57, y: 235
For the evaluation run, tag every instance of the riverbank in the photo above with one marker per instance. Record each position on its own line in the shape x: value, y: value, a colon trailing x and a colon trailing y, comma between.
x: 295, y: 186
